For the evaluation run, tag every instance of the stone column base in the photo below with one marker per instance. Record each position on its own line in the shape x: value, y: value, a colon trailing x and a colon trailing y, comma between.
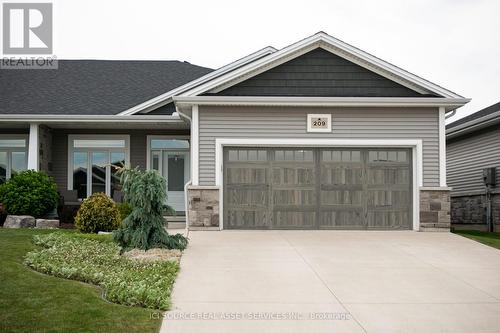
x: 203, y: 207
x: 435, y: 209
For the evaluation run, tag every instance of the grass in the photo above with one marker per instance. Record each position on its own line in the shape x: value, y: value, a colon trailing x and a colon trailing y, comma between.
x: 489, y: 238
x: 98, y: 261
x: 31, y: 301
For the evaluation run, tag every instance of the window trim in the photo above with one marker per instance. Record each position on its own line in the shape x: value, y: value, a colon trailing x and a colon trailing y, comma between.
x: 165, y: 137
x: 9, y: 150
x: 72, y: 149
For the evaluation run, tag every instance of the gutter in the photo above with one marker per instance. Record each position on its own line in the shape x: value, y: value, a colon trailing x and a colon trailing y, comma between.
x: 473, y: 125
x: 448, y: 103
x: 89, y: 118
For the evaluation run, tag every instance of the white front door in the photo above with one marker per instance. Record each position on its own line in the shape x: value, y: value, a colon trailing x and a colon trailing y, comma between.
x: 174, y: 167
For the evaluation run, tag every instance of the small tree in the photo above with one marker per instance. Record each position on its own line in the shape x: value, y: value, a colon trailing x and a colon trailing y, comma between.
x: 144, y: 227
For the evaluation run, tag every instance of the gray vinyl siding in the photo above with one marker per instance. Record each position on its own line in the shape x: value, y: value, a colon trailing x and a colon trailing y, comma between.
x: 138, y: 149
x: 319, y: 73
x: 347, y: 123
x: 468, y: 156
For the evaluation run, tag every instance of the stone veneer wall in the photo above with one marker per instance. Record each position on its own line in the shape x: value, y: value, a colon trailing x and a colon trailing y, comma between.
x: 435, y: 210
x: 203, y: 206
x: 469, y: 212
x: 45, y: 149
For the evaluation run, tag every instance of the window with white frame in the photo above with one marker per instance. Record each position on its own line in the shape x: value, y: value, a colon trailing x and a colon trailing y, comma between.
x: 170, y: 157
x: 13, y: 155
x: 93, y: 163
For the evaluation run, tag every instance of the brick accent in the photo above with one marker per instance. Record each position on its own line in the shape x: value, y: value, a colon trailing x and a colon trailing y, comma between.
x: 203, y: 206
x: 469, y: 212
x: 435, y: 210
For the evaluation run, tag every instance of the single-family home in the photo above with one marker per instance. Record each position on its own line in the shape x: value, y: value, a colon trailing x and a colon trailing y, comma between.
x: 316, y: 135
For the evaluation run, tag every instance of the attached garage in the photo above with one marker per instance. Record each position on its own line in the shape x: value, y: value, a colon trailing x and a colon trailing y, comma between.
x: 317, y: 188
x: 318, y: 135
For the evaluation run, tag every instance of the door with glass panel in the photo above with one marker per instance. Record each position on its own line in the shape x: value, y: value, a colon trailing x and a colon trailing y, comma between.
x: 170, y: 158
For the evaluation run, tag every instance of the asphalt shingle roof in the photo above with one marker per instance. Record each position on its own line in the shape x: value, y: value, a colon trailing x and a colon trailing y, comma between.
x: 476, y: 115
x: 91, y: 87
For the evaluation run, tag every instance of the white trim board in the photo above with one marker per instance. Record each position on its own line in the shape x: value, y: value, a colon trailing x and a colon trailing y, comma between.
x: 415, y: 145
x: 195, y: 143
x: 447, y: 103
x: 442, y: 147
x: 333, y: 45
x: 34, y: 147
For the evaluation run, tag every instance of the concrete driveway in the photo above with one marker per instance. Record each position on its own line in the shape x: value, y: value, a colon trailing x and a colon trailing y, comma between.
x: 335, y: 281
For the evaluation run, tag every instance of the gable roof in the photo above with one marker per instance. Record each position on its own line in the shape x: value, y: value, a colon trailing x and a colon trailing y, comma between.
x: 331, y: 44
x: 478, y: 120
x: 166, y: 98
x: 319, y: 73
x: 91, y: 87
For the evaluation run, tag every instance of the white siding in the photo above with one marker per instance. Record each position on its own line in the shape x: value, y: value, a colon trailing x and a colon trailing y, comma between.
x: 347, y: 123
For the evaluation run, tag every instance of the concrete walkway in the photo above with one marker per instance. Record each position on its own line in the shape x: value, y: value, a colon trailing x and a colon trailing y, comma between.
x: 335, y: 281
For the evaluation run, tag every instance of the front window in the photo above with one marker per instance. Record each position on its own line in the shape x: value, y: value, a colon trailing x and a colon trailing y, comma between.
x: 13, y: 156
x: 95, y: 162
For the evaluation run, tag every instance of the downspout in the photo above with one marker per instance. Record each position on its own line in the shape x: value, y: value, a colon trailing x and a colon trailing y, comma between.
x: 451, y: 114
x: 185, y: 116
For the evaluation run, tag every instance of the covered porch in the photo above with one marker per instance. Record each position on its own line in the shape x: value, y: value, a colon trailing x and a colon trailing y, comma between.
x: 82, y: 154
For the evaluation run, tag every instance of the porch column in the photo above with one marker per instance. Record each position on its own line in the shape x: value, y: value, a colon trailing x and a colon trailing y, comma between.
x: 33, y: 148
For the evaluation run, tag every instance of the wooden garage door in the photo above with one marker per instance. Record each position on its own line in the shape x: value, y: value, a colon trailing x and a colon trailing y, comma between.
x: 317, y: 188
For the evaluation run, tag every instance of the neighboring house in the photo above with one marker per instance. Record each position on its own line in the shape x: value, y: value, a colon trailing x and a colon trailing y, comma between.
x: 317, y: 135
x: 473, y: 144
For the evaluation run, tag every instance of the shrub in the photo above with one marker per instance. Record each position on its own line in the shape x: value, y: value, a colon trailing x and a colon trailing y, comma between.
x: 144, y: 228
x: 97, y: 261
x: 125, y: 209
x: 97, y: 213
x: 29, y: 193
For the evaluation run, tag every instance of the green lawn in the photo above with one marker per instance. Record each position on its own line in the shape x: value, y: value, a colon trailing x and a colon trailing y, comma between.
x: 489, y: 238
x: 30, y: 301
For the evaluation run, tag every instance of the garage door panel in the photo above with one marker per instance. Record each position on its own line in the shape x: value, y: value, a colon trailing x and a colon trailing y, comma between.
x: 241, y: 197
x: 380, y: 175
x: 342, y: 219
x: 389, y: 219
x: 248, y: 219
x: 321, y: 188
x: 342, y: 197
x: 294, y: 219
x: 393, y: 199
x: 296, y: 176
x: 248, y: 174
x: 294, y: 197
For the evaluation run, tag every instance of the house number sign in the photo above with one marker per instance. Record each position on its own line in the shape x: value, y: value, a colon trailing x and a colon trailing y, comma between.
x: 319, y: 122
